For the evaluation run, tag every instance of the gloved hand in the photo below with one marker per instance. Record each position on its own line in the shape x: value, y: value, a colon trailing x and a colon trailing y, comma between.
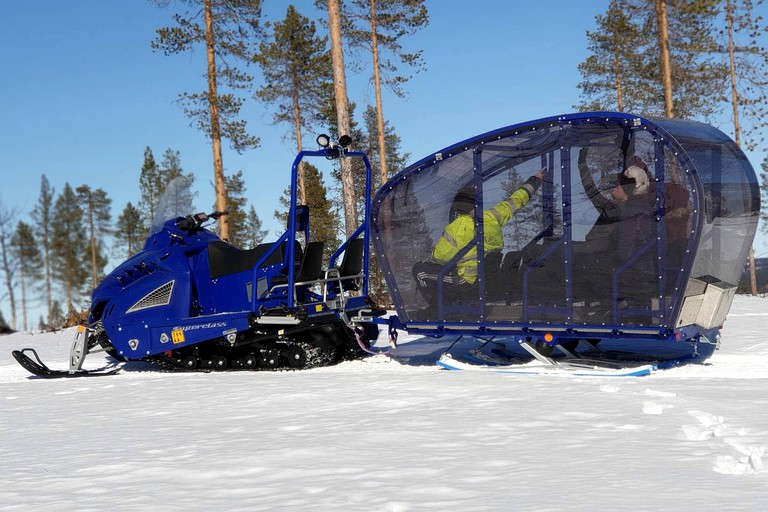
x: 532, y: 184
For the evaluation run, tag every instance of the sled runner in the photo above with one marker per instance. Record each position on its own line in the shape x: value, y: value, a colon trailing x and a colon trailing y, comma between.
x: 575, y: 368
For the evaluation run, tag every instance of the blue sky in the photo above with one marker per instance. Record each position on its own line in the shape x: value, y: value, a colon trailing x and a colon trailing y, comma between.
x: 84, y: 93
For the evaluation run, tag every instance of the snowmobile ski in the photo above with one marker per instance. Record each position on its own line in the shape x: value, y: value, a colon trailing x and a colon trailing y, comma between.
x: 576, y: 368
x: 39, y: 369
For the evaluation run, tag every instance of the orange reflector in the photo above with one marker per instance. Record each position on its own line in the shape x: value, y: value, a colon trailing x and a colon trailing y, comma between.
x: 548, y: 337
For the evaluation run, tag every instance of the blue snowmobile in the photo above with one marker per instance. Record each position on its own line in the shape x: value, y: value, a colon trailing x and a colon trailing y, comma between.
x: 190, y: 300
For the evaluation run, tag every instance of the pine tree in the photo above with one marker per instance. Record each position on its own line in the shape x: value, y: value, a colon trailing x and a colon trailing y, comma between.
x: 297, y: 68
x: 684, y: 81
x: 348, y: 192
x: 153, y: 181
x: 170, y: 167
x: 236, y: 202
x: 178, y: 200
x: 748, y: 66
x: 744, y: 46
x: 324, y: 219
x: 356, y: 166
x: 611, y: 70
x: 227, y: 29
x: 170, y: 171
x: 665, y: 67
x: 130, y: 231
x: 150, y: 184
x: 68, y: 245
x: 25, y: 251
x: 367, y: 140
x: 96, y: 206
x: 43, y: 217
x: 701, y: 79
x: 9, y: 266
x: 378, y: 26
x: 253, y: 234
x: 695, y: 80
x: 764, y: 193
x: 396, y: 160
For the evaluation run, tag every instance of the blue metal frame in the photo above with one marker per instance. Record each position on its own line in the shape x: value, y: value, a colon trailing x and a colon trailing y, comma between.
x: 201, y: 307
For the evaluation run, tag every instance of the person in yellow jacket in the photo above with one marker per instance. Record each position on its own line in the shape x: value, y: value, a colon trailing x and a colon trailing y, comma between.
x: 461, y: 230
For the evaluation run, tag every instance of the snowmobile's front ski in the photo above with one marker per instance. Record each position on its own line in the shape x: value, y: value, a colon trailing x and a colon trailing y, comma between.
x: 38, y: 368
x: 576, y: 368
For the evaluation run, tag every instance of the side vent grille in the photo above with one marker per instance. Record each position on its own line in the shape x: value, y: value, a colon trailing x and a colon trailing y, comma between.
x: 159, y: 297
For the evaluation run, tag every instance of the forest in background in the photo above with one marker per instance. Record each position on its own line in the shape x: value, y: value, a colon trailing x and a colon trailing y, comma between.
x: 692, y: 59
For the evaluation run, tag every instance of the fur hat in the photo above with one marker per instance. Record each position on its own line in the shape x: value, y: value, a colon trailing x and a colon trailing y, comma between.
x: 635, y: 179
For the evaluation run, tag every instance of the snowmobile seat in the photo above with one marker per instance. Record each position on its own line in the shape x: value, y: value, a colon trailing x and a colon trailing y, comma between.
x: 352, y: 264
x: 225, y: 259
x: 298, y: 256
x: 312, y: 263
x: 310, y: 268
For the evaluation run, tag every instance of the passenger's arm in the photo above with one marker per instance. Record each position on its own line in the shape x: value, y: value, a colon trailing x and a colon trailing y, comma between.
x: 599, y: 201
x: 504, y: 210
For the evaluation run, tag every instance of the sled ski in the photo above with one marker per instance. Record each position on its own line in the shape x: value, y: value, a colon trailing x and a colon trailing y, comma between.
x: 503, y: 361
x: 573, y: 367
x: 37, y: 368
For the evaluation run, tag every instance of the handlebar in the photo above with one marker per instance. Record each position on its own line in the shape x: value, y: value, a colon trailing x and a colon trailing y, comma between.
x: 191, y: 223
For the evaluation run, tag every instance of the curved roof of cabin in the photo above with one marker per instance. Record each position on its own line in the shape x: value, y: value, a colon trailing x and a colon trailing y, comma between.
x: 689, y: 134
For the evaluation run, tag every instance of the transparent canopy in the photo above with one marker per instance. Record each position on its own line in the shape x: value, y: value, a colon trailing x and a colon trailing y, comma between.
x: 632, y: 216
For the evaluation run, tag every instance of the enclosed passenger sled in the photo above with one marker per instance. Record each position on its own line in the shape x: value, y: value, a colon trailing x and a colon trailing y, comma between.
x: 591, y: 243
x: 189, y: 300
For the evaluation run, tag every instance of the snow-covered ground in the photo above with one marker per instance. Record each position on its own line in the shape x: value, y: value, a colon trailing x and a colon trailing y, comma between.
x: 389, y: 434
